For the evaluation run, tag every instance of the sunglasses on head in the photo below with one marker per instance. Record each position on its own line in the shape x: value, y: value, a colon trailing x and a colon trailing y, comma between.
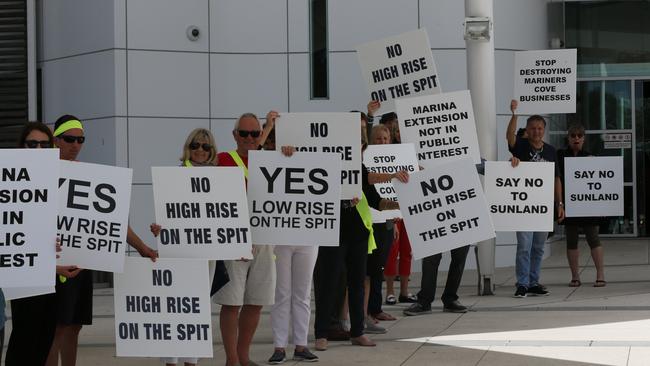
x: 33, y: 143
x: 196, y: 145
x: 244, y: 133
x: 576, y: 135
x: 70, y: 139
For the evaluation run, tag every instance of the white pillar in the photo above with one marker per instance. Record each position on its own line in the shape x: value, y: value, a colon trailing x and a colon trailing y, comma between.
x: 481, y: 83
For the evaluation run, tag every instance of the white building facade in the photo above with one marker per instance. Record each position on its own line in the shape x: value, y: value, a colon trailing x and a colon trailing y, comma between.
x: 128, y: 69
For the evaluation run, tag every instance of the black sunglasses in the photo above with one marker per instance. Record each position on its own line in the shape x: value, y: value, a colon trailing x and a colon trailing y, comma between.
x: 244, y: 133
x: 70, y: 139
x: 196, y: 145
x: 33, y: 143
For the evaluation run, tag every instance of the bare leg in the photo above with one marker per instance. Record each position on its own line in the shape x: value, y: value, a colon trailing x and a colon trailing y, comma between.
x: 344, y: 309
x: 229, y: 323
x: 573, y: 257
x: 53, y: 357
x: 597, y: 255
x: 404, y: 285
x: 248, y: 320
x: 68, y: 344
x: 390, y: 288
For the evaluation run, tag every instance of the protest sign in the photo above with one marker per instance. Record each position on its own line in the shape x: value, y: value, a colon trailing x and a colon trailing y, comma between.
x: 440, y: 126
x: 593, y: 186
x: 294, y: 200
x: 545, y: 81
x: 389, y: 159
x: 203, y: 212
x: 13, y: 293
x: 444, y: 208
x: 521, y: 198
x: 162, y: 309
x: 397, y: 67
x: 29, y: 203
x: 326, y: 132
x: 93, y: 217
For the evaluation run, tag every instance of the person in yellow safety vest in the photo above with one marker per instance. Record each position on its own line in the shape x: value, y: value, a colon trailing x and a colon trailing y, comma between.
x: 199, y: 150
x: 75, y: 295
x: 251, y: 283
x: 356, y: 241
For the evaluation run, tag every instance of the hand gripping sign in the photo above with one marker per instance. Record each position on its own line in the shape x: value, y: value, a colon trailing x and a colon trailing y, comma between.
x: 93, y: 217
x: 326, y: 132
x: 28, y: 201
x: 203, y: 212
x: 398, y: 67
x: 521, y: 198
x: 444, y: 208
x: 294, y: 200
x: 545, y: 81
x: 162, y: 309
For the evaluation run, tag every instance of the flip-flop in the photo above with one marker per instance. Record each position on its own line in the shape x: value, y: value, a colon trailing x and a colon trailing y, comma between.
x: 600, y: 283
x: 576, y: 283
x: 384, y: 316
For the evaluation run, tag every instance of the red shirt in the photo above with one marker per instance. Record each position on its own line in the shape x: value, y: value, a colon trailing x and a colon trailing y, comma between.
x: 226, y: 160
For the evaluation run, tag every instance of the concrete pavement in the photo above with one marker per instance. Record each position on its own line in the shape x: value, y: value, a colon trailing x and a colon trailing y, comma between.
x: 571, y: 326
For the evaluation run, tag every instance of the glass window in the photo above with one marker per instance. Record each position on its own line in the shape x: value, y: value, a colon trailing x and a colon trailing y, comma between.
x: 318, y: 57
x: 612, y: 37
x: 600, y: 105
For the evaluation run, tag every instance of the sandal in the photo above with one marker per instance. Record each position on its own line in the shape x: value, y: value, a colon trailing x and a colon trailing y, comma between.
x: 391, y: 300
x: 600, y: 283
x: 576, y: 283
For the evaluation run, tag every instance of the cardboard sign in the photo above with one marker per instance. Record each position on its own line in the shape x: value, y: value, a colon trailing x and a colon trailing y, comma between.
x: 13, y: 293
x: 294, y: 200
x: 93, y: 215
x: 593, y: 186
x: 444, y: 208
x: 545, y: 81
x: 203, y: 212
x: 440, y: 126
x: 521, y: 198
x: 326, y: 132
x: 389, y: 159
x: 398, y: 67
x: 162, y: 309
x: 29, y: 203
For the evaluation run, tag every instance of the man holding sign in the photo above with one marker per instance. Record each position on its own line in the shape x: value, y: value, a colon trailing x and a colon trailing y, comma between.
x: 530, y: 245
x: 252, y: 282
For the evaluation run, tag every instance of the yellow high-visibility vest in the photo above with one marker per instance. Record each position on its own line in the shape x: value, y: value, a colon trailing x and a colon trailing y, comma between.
x: 239, y: 162
x: 366, y: 217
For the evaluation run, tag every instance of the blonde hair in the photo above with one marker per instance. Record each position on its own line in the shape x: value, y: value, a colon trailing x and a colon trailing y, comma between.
x: 376, y: 130
x: 200, y: 133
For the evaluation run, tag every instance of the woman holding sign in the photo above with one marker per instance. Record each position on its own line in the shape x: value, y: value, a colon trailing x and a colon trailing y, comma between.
x: 589, y: 225
x: 34, y: 317
x: 74, y: 296
x: 199, y: 150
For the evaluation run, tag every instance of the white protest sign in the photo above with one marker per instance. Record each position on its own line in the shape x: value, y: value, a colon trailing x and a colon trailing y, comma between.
x: 444, y: 208
x: 93, y: 215
x: 397, y: 67
x: 13, y: 293
x: 29, y: 201
x: 294, y: 200
x: 389, y: 159
x: 521, y: 198
x: 326, y: 132
x: 593, y: 186
x: 162, y: 309
x: 203, y: 212
x: 440, y: 126
x: 545, y: 81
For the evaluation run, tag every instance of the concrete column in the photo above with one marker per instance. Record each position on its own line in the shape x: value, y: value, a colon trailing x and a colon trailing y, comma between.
x: 481, y: 83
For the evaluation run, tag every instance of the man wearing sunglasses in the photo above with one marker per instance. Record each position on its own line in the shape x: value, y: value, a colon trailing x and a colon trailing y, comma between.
x: 252, y: 282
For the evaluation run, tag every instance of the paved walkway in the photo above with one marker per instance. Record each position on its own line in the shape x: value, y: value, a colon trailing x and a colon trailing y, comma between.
x: 572, y: 326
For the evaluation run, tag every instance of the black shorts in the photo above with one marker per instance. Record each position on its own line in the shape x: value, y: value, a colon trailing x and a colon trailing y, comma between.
x: 74, y: 299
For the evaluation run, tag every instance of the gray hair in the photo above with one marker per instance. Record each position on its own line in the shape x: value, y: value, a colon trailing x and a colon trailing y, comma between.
x: 245, y: 115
